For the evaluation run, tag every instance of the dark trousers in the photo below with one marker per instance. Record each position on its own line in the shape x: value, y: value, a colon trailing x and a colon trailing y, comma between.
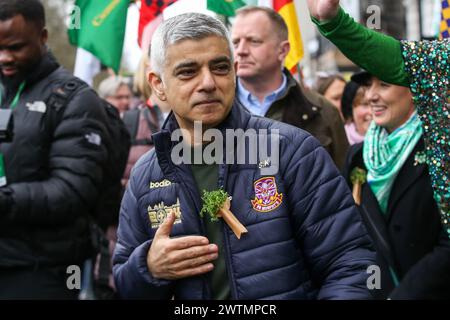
x: 35, y: 284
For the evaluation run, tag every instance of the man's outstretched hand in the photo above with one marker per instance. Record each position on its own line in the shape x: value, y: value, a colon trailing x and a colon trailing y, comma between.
x: 323, y: 9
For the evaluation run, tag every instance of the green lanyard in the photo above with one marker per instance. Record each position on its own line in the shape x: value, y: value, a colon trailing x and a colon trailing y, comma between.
x: 3, y: 180
x: 17, y: 97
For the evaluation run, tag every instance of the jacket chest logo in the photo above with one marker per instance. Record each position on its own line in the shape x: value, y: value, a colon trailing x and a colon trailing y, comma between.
x: 267, y: 197
x: 160, y: 184
x: 37, y: 106
x: 158, y: 213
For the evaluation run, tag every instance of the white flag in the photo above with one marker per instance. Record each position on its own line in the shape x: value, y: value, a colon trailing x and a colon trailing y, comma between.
x: 86, y: 66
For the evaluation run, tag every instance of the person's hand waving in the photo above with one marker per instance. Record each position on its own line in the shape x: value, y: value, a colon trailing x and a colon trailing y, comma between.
x: 323, y: 9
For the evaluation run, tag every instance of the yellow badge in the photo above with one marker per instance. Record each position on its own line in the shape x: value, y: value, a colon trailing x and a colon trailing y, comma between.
x: 159, y: 212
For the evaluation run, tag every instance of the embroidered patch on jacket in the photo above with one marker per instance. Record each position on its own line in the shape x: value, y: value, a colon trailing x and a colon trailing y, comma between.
x: 160, y: 184
x: 93, y: 138
x: 38, y: 106
x: 158, y: 213
x: 267, y: 197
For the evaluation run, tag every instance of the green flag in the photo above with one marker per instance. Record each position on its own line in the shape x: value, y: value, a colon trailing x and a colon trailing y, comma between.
x: 252, y: 2
x: 225, y: 7
x: 101, y: 29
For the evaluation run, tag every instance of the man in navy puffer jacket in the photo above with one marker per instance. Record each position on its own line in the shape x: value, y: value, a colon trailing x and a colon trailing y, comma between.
x: 305, y: 238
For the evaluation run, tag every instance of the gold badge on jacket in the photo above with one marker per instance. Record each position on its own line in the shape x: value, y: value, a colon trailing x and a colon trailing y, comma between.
x: 158, y: 213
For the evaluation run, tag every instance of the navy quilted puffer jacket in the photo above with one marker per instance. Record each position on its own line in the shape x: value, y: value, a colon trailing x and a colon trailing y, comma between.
x: 312, y: 246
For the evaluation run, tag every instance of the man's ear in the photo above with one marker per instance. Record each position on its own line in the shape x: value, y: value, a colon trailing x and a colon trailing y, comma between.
x: 157, y: 85
x: 284, y: 49
x: 44, y: 36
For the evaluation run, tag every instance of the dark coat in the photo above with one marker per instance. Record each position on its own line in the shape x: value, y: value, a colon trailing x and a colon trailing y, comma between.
x: 307, y: 110
x: 53, y: 170
x: 146, y: 122
x: 410, y: 230
x: 313, y: 245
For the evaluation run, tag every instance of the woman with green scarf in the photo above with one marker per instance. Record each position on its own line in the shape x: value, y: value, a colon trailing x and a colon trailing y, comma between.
x: 417, y: 251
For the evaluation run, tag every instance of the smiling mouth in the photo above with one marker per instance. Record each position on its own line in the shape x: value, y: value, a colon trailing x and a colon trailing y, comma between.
x: 378, y: 109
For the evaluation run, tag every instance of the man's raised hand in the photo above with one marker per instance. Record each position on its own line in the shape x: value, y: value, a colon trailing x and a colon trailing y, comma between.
x: 178, y: 258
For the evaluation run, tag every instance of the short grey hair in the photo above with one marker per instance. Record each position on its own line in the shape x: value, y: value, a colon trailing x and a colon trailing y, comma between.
x: 187, y: 26
x: 109, y: 86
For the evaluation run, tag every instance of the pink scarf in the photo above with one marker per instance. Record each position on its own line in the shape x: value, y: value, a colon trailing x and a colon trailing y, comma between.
x: 352, y: 135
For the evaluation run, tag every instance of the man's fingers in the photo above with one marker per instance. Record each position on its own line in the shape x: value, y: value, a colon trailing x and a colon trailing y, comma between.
x: 195, y: 271
x: 187, y: 242
x: 192, y: 252
x: 195, y: 262
x: 166, y: 227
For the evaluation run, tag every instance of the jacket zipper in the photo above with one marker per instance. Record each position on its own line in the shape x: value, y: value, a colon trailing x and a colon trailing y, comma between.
x: 194, y: 198
x: 223, y: 175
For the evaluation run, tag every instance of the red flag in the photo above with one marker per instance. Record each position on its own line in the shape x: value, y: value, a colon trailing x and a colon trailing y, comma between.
x: 150, y: 9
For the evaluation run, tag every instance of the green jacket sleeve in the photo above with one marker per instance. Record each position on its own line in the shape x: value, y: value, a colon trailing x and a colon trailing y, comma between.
x: 375, y: 52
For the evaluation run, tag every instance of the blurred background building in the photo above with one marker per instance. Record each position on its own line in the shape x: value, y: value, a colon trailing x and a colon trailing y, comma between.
x: 411, y: 19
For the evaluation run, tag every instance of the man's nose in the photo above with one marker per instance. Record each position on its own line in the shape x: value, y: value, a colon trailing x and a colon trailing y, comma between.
x: 241, y: 48
x: 208, y: 82
x: 6, y: 57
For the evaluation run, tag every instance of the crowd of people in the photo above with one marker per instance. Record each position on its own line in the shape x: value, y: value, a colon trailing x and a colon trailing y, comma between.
x: 361, y: 180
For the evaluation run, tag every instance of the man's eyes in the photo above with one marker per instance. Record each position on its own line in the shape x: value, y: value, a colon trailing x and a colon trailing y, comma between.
x: 186, y: 73
x: 250, y: 41
x: 219, y: 69
x: 223, y: 68
x: 15, y: 47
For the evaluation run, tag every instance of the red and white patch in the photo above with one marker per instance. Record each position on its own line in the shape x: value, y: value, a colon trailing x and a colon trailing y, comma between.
x: 267, y: 197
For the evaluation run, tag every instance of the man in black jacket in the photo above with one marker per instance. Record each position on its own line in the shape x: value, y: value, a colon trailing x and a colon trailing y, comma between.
x: 52, y: 166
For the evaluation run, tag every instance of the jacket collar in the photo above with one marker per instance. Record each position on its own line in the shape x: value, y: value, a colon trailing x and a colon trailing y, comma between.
x: 291, y: 82
x: 298, y: 109
x: 46, y: 65
x: 237, y: 118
